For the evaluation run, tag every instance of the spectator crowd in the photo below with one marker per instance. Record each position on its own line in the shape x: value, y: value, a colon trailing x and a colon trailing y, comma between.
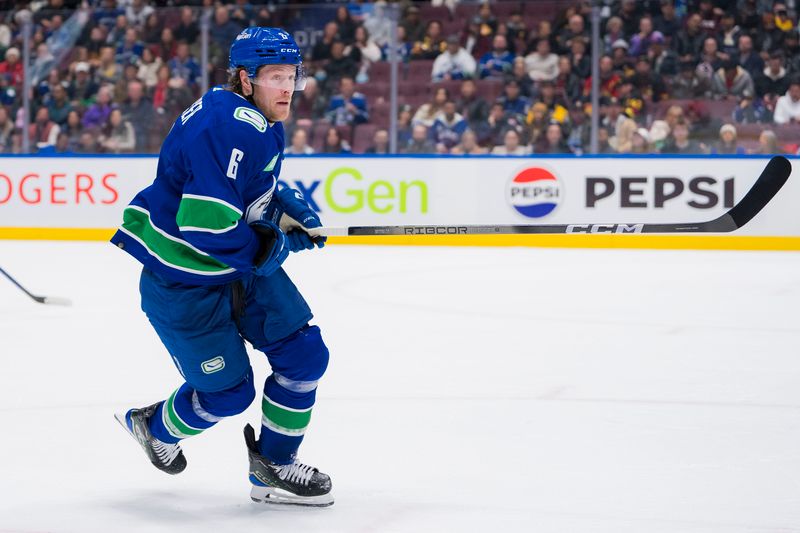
x: 502, y: 78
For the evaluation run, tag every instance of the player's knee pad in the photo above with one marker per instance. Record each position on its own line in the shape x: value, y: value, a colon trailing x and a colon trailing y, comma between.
x: 300, y: 360
x: 230, y: 401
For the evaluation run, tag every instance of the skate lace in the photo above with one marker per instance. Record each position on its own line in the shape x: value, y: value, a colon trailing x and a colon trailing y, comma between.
x: 295, y: 473
x: 165, y: 452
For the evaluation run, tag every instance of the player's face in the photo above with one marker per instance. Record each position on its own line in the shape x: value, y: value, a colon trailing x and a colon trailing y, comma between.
x: 273, y: 89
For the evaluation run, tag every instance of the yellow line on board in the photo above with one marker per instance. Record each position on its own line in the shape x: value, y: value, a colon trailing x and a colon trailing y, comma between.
x: 666, y: 242
x: 57, y: 234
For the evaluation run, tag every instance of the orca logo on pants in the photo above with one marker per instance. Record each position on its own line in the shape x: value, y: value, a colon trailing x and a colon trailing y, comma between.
x: 534, y: 192
x: 213, y: 365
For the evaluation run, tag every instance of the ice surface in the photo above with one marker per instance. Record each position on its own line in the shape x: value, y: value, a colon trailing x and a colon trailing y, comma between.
x: 469, y: 390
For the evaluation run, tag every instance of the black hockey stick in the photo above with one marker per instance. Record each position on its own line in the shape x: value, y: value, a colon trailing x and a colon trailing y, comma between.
x: 41, y: 299
x: 768, y: 184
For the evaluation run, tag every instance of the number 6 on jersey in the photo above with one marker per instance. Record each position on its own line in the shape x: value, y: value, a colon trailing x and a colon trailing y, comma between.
x: 233, y: 164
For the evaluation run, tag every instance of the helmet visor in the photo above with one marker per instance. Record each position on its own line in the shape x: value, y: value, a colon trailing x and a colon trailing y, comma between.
x: 282, y: 79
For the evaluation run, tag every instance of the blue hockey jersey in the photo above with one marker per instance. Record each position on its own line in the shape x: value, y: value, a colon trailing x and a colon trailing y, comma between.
x: 217, y: 171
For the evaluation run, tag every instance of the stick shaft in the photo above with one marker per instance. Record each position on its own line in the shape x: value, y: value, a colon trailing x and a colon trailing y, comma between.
x: 15, y: 282
x: 512, y: 229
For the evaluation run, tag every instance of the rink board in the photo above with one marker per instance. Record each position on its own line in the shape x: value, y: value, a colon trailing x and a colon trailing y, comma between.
x: 82, y: 198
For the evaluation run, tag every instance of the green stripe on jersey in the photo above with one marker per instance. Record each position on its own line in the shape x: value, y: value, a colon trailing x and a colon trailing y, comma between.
x: 173, y: 422
x: 285, y: 419
x: 271, y: 165
x: 170, y: 250
x: 204, y: 213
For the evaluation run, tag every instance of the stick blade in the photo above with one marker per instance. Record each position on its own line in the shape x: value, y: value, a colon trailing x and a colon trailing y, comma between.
x: 765, y: 188
x: 55, y: 300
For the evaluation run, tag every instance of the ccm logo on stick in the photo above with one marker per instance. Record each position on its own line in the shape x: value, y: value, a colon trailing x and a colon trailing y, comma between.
x: 707, y: 192
x: 435, y: 230
x: 605, y: 228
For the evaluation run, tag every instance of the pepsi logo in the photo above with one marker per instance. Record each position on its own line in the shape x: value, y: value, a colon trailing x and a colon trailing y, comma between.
x: 534, y: 192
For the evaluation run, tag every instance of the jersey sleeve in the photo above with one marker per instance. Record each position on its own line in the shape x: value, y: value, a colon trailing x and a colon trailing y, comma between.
x: 210, y: 215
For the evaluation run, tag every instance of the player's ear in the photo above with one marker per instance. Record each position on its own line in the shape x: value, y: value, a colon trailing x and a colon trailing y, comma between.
x: 247, y: 86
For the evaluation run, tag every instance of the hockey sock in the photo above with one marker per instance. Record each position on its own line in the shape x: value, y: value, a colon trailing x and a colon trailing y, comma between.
x: 285, y: 417
x: 180, y: 416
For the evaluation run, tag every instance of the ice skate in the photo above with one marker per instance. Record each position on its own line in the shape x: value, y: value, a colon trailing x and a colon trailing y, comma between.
x: 292, y: 484
x: 166, y: 457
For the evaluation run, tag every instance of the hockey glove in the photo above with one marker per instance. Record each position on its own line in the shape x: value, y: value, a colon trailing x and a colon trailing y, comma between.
x: 273, y: 251
x: 294, y: 217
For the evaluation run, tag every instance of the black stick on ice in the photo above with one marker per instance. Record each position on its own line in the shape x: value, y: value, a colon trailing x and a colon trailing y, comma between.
x: 768, y: 184
x: 54, y: 300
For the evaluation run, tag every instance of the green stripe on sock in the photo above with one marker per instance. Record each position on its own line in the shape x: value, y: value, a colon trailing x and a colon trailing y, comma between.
x: 174, y: 424
x: 284, y: 418
x: 206, y: 214
x: 136, y: 222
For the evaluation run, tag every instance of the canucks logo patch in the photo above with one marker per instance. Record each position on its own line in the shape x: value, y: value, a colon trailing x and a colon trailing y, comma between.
x: 252, y: 117
x: 213, y: 365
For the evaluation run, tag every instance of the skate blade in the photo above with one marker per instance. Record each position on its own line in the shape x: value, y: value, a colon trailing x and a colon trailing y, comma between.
x: 275, y: 496
x: 120, y: 417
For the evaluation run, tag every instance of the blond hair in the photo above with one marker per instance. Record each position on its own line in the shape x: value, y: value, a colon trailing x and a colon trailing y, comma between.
x: 624, y: 139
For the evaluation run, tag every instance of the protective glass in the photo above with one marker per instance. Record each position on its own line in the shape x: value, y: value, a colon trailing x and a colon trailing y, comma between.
x: 278, y: 79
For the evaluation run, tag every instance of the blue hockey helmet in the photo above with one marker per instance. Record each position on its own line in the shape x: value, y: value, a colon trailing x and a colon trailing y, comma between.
x: 257, y: 46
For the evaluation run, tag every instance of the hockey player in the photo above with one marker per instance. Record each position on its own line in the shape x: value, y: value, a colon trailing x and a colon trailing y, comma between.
x: 212, y: 231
